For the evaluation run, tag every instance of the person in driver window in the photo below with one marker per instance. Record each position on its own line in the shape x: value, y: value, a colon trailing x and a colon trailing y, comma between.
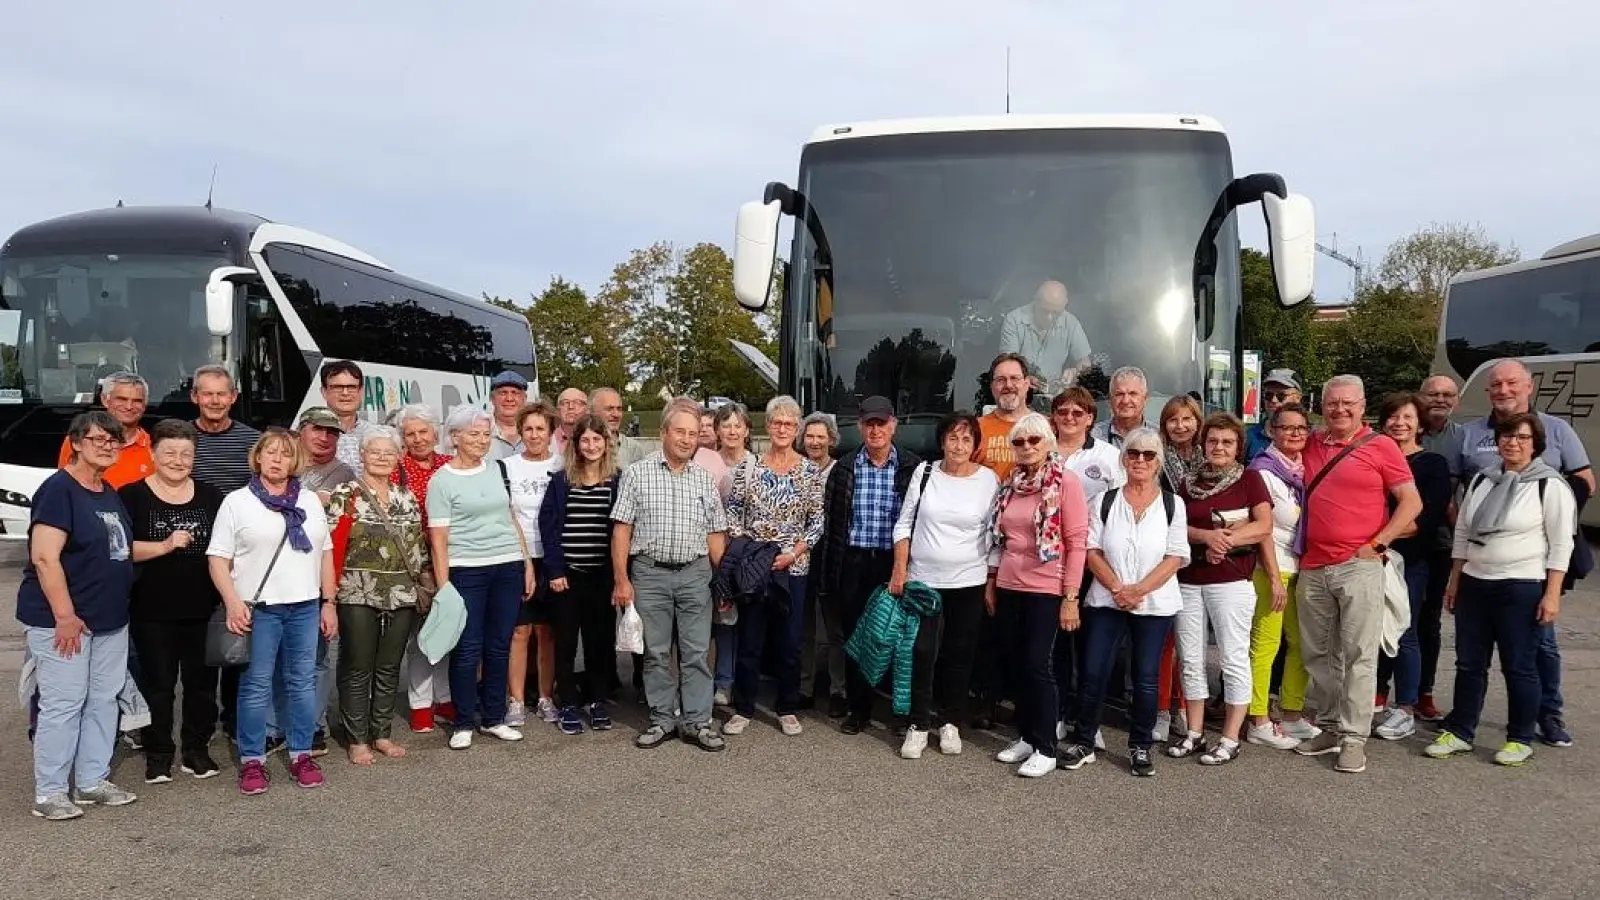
x: 1048, y: 336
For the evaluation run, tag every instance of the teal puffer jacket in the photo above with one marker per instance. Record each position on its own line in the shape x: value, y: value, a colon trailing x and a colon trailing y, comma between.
x: 886, y: 633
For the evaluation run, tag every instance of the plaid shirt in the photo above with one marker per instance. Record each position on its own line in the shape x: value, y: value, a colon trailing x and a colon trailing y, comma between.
x: 876, y: 506
x: 671, y: 512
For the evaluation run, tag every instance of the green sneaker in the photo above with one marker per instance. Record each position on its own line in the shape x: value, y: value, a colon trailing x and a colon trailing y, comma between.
x: 1447, y: 745
x: 1513, y: 754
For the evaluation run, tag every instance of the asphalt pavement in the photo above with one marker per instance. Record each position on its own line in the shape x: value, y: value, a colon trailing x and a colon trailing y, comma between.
x: 824, y: 815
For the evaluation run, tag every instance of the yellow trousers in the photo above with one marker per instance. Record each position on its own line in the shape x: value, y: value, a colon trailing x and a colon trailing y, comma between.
x: 1267, y: 630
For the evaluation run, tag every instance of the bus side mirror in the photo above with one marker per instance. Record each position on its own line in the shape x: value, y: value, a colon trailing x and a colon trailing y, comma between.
x: 1292, y: 243
x: 219, y: 297
x: 755, y: 248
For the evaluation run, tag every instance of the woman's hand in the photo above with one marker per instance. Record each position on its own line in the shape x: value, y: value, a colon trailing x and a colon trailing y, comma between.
x: 1070, y: 619
x: 783, y: 562
x: 1549, y: 609
x: 1280, y: 595
x: 178, y: 540
x: 988, y: 598
x: 238, y: 617
x: 1219, y: 541
x: 897, y: 582
x: 559, y: 585
x: 529, y: 581
x: 330, y: 621
x: 1128, y: 597
x: 69, y: 635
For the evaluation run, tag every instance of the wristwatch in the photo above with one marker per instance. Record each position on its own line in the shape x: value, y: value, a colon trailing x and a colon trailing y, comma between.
x: 1380, y: 549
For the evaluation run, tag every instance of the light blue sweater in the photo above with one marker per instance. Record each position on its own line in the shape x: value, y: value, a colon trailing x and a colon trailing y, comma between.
x: 474, y: 505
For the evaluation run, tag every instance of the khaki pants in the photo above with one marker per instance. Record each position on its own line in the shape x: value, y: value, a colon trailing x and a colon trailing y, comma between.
x: 1341, y: 624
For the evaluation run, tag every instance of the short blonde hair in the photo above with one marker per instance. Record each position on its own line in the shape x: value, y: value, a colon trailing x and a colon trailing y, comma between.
x: 276, y: 436
x: 1145, y: 438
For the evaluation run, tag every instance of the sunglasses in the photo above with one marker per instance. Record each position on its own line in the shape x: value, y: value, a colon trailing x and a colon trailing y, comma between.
x: 1032, y: 440
x: 1146, y: 455
x: 1276, y: 395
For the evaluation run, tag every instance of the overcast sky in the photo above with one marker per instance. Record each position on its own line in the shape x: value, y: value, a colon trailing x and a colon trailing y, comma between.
x: 488, y: 145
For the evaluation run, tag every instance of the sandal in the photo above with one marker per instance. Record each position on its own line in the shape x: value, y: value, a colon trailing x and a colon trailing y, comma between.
x: 1220, y: 754
x: 1190, y: 744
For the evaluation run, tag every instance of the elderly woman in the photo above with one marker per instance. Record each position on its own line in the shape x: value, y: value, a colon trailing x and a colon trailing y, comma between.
x: 819, y: 438
x: 942, y: 541
x: 1276, y: 622
x: 378, y: 532
x: 528, y: 476
x: 427, y: 684
x: 1037, y: 530
x: 1179, y: 424
x: 776, y: 500
x: 173, y: 599
x: 1513, y: 542
x: 732, y: 423
x: 1229, y: 513
x: 1138, y: 539
x: 73, y: 605
x: 271, y: 558
x: 477, y: 547
x: 575, y: 531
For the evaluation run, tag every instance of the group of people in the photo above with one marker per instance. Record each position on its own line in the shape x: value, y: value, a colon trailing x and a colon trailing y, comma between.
x: 358, y: 557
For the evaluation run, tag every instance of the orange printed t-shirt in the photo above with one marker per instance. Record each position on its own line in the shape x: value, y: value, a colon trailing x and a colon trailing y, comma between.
x: 134, y: 462
x: 1352, y: 502
x: 994, y: 450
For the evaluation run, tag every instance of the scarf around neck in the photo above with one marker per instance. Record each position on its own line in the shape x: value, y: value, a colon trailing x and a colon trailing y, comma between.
x: 287, y: 505
x: 1209, y: 480
x: 1047, y: 518
x: 1489, y: 518
x: 1293, y: 475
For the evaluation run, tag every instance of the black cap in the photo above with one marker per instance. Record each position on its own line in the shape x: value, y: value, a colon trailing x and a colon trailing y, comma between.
x: 876, y: 409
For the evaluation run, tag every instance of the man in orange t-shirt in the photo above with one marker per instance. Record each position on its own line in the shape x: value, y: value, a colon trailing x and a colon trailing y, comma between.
x: 125, y: 396
x: 1008, y: 381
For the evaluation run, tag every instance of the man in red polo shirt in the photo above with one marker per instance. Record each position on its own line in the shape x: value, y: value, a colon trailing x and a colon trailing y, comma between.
x: 1351, y: 472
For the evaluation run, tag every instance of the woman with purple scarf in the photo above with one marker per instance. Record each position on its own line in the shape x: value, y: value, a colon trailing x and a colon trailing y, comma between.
x: 1278, y: 562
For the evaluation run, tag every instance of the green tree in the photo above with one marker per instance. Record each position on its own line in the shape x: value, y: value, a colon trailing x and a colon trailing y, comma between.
x: 1287, y: 338
x: 1425, y: 261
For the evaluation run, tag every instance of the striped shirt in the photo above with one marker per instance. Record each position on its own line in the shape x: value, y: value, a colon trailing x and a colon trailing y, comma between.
x: 586, y: 535
x: 222, y: 458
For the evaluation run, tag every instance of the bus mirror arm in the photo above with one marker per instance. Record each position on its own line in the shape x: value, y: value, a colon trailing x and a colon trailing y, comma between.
x: 220, y: 295
x: 1291, y: 242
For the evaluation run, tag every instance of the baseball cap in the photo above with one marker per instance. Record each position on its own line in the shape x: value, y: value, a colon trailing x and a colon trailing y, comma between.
x: 322, y: 417
x: 508, y: 378
x: 876, y: 409
x: 1284, y: 377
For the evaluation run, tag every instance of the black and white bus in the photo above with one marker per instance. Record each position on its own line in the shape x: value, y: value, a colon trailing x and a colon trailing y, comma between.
x: 163, y: 290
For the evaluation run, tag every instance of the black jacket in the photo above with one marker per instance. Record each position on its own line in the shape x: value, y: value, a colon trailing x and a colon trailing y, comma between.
x: 745, y: 573
x: 838, y: 499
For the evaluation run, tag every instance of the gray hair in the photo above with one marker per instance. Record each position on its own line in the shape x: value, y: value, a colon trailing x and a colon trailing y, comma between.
x: 463, y: 417
x: 1344, y: 381
x: 212, y: 369
x: 783, y: 403
x: 418, y: 412
x: 85, y: 422
x: 1034, y: 424
x: 680, y: 406
x: 1131, y: 373
x: 379, y: 433
x: 1146, y: 438
x: 130, y: 379
x: 826, y: 420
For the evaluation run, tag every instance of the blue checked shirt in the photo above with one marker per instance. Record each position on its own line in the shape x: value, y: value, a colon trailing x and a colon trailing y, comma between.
x: 876, y: 507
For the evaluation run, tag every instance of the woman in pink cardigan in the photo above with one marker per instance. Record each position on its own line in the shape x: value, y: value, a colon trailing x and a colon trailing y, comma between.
x: 1038, y: 528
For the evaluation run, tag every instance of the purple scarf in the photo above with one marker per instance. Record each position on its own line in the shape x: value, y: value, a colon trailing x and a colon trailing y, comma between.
x: 1270, y: 461
x: 287, y: 505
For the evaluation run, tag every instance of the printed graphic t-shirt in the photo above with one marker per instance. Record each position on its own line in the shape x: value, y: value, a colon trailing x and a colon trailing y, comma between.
x: 97, y: 558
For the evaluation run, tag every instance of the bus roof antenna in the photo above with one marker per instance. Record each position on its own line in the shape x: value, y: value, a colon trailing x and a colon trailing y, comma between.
x: 213, y: 188
x: 1008, y: 80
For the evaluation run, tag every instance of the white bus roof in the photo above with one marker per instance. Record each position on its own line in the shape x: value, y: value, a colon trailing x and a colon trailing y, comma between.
x: 884, y: 127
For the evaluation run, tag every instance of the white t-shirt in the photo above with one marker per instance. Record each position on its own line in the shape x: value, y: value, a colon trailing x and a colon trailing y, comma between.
x: 248, y: 533
x: 529, y: 481
x: 951, y: 547
x: 1098, y: 466
x: 1285, y: 518
x: 1135, y: 548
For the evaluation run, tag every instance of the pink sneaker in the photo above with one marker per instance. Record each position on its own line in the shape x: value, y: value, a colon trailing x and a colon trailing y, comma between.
x: 253, y: 779
x: 306, y: 772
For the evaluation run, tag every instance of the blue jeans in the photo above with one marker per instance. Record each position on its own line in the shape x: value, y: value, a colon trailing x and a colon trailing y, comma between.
x: 77, y: 728
x: 1406, y: 664
x: 726, y: 638
x: 327, y: 661
x: 1102, y: 632
x: 283, y: 646
x: 493, y: 596
x: 1548, y: 661
x: 1491, y: 615
x: 757, y: 622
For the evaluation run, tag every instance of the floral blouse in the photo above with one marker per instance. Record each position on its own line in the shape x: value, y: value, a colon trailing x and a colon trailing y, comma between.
x: 375, y: 574
x: 781, y: 509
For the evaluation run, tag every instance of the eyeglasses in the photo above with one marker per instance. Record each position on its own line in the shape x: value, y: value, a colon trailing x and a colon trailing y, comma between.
x: 1072, y: 412
x: 1440, y: 395
x: 1144, y: 455
x: 1276, y: 395
x: 382, y: 454
x: 1032, y: 440
x: 102, y: 440
x: 1519, y: 437
x: 1292, y: 429
x: 343, y: 387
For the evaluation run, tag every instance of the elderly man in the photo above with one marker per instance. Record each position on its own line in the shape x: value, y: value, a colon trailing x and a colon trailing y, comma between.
x: 1439, y: 396
x: 572, y: 404
x: 671, y: 530
x: 861, y: 504
x: 1511, y: 392
x: 1278, y: 388
x: 320, y: 433
x: 1048, y: 337
x: 222, y: 444
x: 1008, y: 382
x: 1351, y: 473
x: 1129, y: 393
x: 125, y: 396
x: 508, y: 394
x: 343, y: 389
x: 607, y: 404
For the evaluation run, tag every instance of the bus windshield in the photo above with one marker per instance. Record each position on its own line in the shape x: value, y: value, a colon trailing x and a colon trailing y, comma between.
x: 1543, y: 310
x: 1074, y: 248
x: 66, y: 322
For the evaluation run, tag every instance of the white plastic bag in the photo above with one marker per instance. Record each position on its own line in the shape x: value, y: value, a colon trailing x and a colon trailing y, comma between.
x: 630, y: 631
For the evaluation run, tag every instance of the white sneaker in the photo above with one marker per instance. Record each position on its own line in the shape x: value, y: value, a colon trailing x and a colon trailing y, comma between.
x: 460, y: 740
x: 1037, y: 766
x: 1397, y: 725
x: 790, y: 725
x: 1099, y: 740
x: 916, y: 741
x: 735, y: 725
x: 1163, y: 727
x: 1015, y: 753
x: 720, y: 698
x: 516, y: 713
x: 949, y: 740
x: 502, y: 731
x: 1270, y: 734
x: 1299, y: 728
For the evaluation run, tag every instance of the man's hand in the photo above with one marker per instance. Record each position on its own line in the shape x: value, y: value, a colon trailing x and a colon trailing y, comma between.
x: 622, y: 594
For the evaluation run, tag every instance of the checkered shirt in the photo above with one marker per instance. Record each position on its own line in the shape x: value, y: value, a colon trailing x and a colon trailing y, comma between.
x: 876, y: 506
x: 671, y: 512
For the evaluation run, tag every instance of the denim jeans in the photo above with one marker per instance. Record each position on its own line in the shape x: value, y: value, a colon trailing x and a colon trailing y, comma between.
x: 283, y: 647
x: 77, y: 727
x: 326, y: 680
x: 493, y: 597
x: 1102, y: 632
x: 1406, y: 664
x: 681, y: 598
x: 757, y: 623
x: 1494, y: 615
x: 1029, y: 626
x: 1548, y: 661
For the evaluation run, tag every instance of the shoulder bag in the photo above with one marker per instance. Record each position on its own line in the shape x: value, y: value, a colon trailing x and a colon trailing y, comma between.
x: 423, y: 580
x: 227, y: 650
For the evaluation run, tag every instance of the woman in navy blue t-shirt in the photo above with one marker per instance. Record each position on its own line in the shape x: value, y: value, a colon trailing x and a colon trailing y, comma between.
x: 73, y: 605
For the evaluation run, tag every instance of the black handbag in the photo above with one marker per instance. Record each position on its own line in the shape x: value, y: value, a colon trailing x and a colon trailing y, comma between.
x: 224, y: 649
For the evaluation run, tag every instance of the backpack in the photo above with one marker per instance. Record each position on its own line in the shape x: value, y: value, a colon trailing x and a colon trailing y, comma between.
x: 1110, y: 497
